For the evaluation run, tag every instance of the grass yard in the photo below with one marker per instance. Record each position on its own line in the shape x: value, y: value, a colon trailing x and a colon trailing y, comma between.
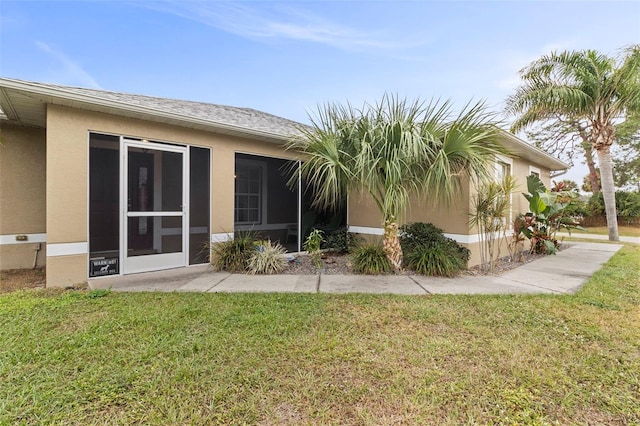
x: 78, y: 357
x: 627, y: 231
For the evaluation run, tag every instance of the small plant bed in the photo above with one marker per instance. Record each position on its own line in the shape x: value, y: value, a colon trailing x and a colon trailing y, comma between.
x: 341, y: 264
x: 505, y: 264
x: 19, y: 279
x: 334, y: 264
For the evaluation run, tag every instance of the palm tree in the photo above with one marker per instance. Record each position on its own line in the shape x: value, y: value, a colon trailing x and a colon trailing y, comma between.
x: 391, y: 150
x: 582, y: 85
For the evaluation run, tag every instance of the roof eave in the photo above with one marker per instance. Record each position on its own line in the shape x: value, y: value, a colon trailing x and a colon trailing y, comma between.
x: 64, y: 97
x: 533, y: 153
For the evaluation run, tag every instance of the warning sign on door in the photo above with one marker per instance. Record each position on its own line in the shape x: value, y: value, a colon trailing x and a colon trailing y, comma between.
x: 103, y: 266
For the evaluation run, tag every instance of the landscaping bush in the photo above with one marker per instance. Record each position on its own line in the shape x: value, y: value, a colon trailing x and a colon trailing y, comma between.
x: 233, y: 255
x: 434, y: 260
x: 341, y: 241
x: 313, y: 245
x: 267, y: 258
x: 425, y: 248
x: 627, y: 206
x: 371, y: 260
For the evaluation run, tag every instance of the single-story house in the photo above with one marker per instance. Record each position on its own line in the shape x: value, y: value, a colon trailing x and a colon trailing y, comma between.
x: 96, y: 183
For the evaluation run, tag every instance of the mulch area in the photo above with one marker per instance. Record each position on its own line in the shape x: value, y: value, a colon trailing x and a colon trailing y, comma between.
x: 340, y: 264
x: 18, y: 279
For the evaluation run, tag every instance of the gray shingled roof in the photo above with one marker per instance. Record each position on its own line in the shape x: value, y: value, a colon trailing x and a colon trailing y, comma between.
x: 241, y: 118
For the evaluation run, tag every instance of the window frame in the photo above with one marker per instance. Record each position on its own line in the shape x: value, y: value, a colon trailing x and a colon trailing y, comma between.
x: 502, y: 164
x: 261, y: 194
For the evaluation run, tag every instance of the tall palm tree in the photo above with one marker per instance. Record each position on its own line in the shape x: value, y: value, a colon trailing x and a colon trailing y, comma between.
x: 582, y: 85
x: 391, y: 150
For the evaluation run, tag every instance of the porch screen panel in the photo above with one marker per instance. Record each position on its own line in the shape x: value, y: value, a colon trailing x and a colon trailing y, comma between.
x: 104, y: 202
x: 200, y: 202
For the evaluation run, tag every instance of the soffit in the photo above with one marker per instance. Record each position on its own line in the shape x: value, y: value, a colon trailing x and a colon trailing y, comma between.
x: 524, y: 150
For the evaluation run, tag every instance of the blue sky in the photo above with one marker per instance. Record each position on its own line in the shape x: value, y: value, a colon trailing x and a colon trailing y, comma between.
x: 287, y: 57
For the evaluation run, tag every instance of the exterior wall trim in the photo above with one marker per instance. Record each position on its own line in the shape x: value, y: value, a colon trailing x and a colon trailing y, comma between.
x: 366, y: 230
x: 222, y: 237
x: 67, y: 249
x: 460, y: 238
x: 31, y: 238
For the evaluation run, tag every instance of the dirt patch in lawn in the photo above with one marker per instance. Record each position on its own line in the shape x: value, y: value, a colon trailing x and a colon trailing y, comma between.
x: 18, y: 279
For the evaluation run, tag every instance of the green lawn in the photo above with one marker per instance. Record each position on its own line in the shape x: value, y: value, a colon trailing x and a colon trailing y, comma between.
x: 77, y: 357
x: 627, y: 231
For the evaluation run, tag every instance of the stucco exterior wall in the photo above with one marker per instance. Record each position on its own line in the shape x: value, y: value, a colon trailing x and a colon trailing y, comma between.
x: 22, y: 196
x: 452, y: 218
x: 67, y: 177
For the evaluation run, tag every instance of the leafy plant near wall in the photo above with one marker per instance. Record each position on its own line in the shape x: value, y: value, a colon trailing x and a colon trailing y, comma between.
x: 435, y: 260
x: 233, y: 255
x: 267, y: 258
x: 545, y: 217
x: 429, y: 252
x: 341, y: 241
x: 312, y: 245
x: 490, y: 215
x: 371, y: 260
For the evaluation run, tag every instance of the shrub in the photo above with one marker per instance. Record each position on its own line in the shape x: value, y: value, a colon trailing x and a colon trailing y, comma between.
x: 370, y: 260
x: 627, y: 205
x: 267, y: 258
x: 547, y: 215
x: 341, y: 241
x: 416, y: 235
x: 435, y: 260
x: 233, y: 255
x: 312, y: 245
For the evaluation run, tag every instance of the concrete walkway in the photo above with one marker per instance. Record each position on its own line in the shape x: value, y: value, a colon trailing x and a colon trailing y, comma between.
x: 582, y: 235
x: 562, y: 273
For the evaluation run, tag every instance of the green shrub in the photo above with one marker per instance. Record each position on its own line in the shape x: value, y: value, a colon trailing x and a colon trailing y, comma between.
x: 341, y: 241
x: 267, y: 258
x: 418, y: 235
x: 233, y: 255
x: 627, y: 205
x: 312, y: 245
x: 370, y: 260
x: 435, y: 260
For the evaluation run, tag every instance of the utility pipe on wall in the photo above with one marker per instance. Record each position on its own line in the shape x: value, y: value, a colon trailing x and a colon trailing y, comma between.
x: 35, y: 257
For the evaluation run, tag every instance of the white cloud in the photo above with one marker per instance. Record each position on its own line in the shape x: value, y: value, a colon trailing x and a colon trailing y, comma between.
x: 286, y: 23
x: 513, y: 62
x: 73, y: 72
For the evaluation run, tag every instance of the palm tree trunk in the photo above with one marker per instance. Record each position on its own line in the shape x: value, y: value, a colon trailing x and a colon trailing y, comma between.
x: 593, y: 173
x: 608, y: 192
x: 391, y: 243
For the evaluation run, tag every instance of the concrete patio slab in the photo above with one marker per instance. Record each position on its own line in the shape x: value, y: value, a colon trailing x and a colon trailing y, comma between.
x: 205, y: 282
x: 588, y: 236
x: 378, y: 284
x: 562, y: 273
x: 241, y: 283
x: 165, y: 280
x: 477, y: 285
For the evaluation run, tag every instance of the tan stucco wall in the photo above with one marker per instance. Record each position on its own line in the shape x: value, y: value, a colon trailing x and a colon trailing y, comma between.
x: 67, y: 174
x: 22, y: 180
x: 452, y: 218
x: 22, y: 256
x: 64, y: 271
x: 22, y: 193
